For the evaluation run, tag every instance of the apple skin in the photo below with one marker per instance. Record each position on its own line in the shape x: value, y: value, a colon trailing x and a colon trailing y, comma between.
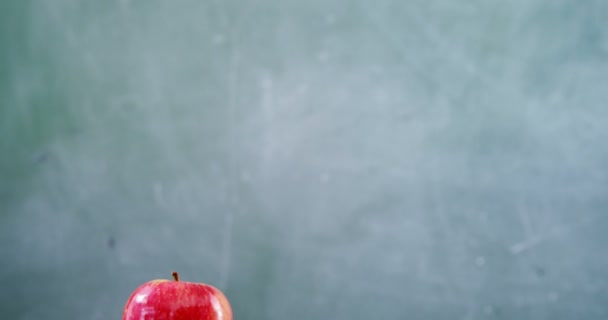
x: 177, y: 300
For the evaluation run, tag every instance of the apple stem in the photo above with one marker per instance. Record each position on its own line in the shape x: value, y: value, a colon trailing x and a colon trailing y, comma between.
x: 175, y: 276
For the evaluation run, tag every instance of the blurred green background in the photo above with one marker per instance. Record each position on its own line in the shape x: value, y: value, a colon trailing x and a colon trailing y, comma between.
x: 313, y: 159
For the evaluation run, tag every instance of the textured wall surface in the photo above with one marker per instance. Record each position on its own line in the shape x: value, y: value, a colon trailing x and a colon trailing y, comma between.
x: 313, y: 159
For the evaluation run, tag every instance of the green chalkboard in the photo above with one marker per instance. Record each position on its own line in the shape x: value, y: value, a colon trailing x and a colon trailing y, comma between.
x: 313, y: 159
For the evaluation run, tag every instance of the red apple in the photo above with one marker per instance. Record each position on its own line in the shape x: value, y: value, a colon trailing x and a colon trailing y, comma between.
x: 176, y: 300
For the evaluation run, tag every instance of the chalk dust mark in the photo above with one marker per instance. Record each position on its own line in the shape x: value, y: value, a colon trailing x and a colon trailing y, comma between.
x: 226, y: 250
x: 233, y: 79
x: 556, y: 232
x: 525, y: 221
x: 392, y: 39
